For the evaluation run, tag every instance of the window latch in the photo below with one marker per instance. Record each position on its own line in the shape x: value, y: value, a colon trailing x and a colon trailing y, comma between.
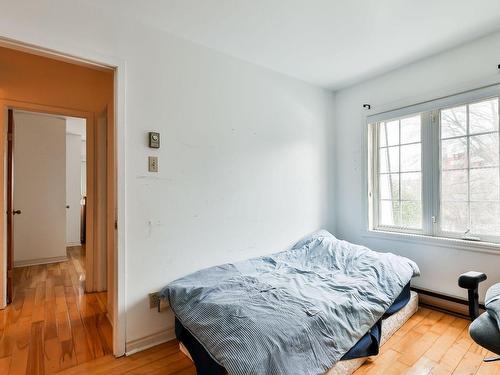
x: 467, y: 237
x: 433, y: 218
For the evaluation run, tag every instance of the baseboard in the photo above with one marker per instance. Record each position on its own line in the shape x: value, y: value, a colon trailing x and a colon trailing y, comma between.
x: 35, y: 262
x: 444, y: 302
x: 147, y: 342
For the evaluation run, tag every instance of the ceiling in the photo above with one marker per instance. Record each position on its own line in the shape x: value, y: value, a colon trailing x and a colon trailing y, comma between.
x: 330, y: 43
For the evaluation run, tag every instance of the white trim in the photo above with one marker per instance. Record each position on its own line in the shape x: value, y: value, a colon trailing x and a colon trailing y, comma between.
x: 35, y: 262
x: 367, y: 182
x: 422, y: 239
x: 120, y: 313
x: 37, y: 49
x: 73, y: 244
x: 74, y: 53
x: 149, y: 341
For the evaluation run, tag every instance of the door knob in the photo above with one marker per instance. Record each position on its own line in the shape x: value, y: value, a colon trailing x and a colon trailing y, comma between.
x: 16, y: 212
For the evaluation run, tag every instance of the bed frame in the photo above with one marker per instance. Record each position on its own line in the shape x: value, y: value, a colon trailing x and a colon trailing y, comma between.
x: 389, y: 327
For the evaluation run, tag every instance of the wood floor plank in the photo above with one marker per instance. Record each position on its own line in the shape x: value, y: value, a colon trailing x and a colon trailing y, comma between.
x: 422, y: 366
x: 52, y: 357
x: 395, y: 369
x: 380, y: 366
x: 453, y: 355
x: 446, y: 340
x: 469, y: 364
x: 81, y: 342
x: 19, y: 359
x: 36, y: 365
x: 417, y: 349
x: 489, y: 368
x: 5, y: 365
x: 42, y: 330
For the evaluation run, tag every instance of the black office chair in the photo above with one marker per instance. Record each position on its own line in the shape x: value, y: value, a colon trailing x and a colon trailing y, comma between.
x: 485, y: 328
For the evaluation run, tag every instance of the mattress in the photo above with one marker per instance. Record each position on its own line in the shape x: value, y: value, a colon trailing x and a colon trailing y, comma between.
x: 298, y: 311
x: 389, y: 326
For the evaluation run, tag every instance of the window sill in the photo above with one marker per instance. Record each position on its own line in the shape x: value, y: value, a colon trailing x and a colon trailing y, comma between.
x: 421, y: 239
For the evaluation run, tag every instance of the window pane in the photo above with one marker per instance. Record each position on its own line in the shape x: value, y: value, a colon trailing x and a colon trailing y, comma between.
x: 485, y: 218
x: 410, y: 158
x: 454, y: 153
x: 411, y: 214
x: 484, y: 184
x: 389, y: 213
x: 411, y: 186
x: 483, y: 116
x: 389, y: 186
x: 484, y: 150
x: 453, y: 122
x: 389, y: 133
x: 410, y: 129
x: 389, y: 159
x: 454, y: 185
x: 454, y: 216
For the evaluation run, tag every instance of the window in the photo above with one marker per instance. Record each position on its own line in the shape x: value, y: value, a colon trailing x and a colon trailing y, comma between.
x: 435, y: 168
x: 400, y: 173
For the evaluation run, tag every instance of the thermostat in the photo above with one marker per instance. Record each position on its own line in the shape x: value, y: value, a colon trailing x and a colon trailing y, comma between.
x: 154, y: 140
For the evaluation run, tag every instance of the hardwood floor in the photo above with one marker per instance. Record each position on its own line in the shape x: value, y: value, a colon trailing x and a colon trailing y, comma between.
x: 429, y: 343
x: 52, y: 324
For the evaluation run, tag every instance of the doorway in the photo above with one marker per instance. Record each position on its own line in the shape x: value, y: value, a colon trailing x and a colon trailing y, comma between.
x: 49, y: 191
x: 76, y: 91
x: 47, y: 174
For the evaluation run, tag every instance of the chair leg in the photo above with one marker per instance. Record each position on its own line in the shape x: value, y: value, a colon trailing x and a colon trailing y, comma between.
x: 491, y: 359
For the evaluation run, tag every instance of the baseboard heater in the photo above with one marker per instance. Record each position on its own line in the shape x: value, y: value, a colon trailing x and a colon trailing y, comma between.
x: 445, y: 303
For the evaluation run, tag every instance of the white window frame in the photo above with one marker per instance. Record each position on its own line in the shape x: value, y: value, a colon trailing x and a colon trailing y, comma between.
x: 430, y: 164
x: 375, y: 175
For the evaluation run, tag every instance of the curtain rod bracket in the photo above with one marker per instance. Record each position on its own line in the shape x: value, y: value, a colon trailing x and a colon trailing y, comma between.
x: 368, y: 106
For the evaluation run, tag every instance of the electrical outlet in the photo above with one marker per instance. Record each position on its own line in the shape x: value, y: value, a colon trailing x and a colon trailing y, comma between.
x: 154, y: 300
x: 153, y: 163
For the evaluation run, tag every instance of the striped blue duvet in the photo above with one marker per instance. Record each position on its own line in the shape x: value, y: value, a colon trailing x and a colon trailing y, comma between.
x: 294, y: 312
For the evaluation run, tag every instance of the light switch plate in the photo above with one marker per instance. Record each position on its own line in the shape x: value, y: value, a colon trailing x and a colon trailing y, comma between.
x: 153, y: 163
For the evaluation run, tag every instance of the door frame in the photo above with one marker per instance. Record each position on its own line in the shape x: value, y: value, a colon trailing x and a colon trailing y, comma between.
x: 9, y: 203
x: 116, y: 230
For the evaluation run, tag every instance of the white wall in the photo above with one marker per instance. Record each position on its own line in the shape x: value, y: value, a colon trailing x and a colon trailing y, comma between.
x: 244, y: 163
x: 39, y: 188
x: 73, y: 188
x: 469, y: 66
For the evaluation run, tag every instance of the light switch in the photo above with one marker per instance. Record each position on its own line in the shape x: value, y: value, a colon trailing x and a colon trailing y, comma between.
x: 153, y: 163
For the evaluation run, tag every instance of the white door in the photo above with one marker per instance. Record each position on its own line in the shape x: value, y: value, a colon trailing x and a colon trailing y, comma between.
x: 39, y: 188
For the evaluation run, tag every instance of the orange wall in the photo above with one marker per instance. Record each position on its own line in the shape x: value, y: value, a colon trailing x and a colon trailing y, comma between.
x: 40, y: 80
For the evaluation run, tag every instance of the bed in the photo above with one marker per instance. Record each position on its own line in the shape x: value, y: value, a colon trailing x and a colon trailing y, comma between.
x: 300, y: 311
